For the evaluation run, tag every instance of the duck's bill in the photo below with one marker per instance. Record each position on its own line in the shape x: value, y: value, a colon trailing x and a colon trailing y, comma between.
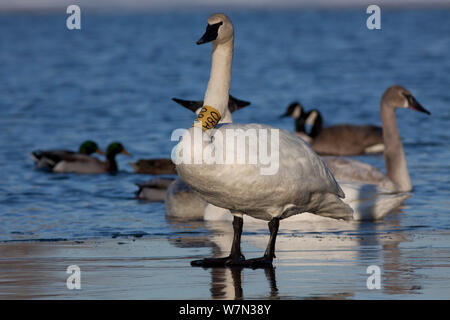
x: 240, y: 103
x: 414, y: 105
x: 99, y: 151
x: 125, y: 152
x: 188, y: 104
x: 211, y: 33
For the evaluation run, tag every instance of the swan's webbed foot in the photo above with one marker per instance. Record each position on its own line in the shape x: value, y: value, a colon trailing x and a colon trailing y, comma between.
x: 219, y: 262
x: 236, y: 259
x: 262, y: 262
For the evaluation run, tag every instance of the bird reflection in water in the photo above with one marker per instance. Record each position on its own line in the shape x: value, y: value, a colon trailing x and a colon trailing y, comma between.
x: 226, y: 283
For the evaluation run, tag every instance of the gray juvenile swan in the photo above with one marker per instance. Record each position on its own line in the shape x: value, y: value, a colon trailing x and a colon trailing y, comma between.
x: 397, y: 177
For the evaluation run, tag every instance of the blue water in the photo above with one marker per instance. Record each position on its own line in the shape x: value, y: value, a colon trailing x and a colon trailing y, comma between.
x: 113, y: 80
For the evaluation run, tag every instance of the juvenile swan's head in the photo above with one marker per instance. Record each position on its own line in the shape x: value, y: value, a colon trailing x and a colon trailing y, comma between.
x: 219, y: 29
x: 398, y: 97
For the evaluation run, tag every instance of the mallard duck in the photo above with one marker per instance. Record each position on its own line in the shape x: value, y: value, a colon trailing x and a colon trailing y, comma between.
x: 166, y: 166
x: 154, y: 166
x: 154, y: 190
x: 80, y: 163
x: 48, y: 159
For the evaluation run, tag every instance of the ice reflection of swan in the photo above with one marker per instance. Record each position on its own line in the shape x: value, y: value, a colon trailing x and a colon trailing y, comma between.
x: 311, y: 241
x: 226, y: 283
x: 308, y: 244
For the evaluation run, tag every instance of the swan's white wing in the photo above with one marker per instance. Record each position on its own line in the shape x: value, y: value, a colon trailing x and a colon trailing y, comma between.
x: 299, y: 174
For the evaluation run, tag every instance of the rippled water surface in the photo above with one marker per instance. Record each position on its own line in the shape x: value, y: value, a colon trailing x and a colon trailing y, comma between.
x: 113, y: 80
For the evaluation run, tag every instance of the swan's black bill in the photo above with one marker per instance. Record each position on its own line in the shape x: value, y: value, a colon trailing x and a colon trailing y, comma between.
x: 188, y: 104
x: 211, y: 33
x: 233, y: 104
x: 415, y: 105
x: 418, y: 107
x: 239, y: 103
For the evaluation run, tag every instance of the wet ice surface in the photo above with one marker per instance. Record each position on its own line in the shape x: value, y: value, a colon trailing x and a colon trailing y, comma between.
x: 114, y: 80
x: 311, y: 266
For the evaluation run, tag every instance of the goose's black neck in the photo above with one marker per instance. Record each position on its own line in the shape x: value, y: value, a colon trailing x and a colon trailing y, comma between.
x: 317, y: 126
x: 300, y: 124
x: 111, y: 164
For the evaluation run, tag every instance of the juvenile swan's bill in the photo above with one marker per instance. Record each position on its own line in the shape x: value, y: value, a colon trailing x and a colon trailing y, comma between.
x: 302, y: 182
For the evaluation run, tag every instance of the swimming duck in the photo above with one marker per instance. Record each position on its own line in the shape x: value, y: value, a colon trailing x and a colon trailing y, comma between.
x: 48, y: 159
x: 166, y: 166
x: 80, y: 163
x: 301, y: 183
x: 154, y: 190
x: 339, y: 140
x: 154, y: 166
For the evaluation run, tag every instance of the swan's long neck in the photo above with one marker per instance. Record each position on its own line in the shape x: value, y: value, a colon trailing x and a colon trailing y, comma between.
x: 218, y: 90
x: 394, y: 156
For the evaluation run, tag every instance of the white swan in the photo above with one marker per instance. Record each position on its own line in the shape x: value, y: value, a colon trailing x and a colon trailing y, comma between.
x: 302, y: 182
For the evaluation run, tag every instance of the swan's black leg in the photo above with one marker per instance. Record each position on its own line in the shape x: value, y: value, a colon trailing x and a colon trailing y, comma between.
x: 235, y: 257
x: 269, y: 254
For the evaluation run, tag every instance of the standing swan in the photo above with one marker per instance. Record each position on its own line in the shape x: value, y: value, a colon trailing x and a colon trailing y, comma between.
x: 301, y: 183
